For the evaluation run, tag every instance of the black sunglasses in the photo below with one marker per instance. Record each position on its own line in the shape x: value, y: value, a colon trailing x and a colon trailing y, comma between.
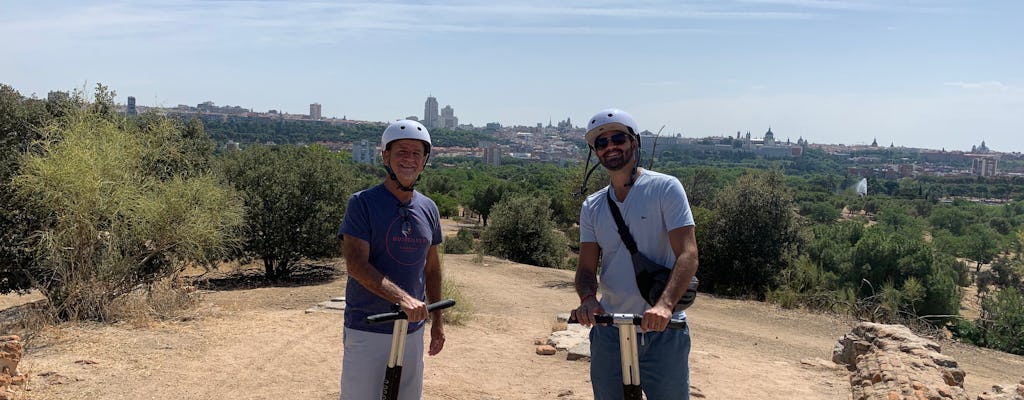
x: 403, y: 210
x: 602, y: 142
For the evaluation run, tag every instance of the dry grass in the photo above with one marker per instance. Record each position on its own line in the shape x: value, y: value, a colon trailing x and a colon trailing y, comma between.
x: 163, y: 300
x: 462, y: 311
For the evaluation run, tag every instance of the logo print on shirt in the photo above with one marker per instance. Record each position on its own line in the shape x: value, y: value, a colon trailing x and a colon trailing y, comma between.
x: 404, y: 246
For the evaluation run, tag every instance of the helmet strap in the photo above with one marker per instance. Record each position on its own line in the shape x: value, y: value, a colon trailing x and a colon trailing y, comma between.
x: 632, y: 174
x: 391, y: 174
x: 586, y: 177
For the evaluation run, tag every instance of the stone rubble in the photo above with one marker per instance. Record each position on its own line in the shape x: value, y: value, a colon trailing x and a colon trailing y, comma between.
x: 889, y: 362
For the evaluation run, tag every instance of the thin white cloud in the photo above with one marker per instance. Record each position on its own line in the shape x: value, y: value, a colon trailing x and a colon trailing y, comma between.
x: 986, y: 85
x: 299, y: 19
x: 914, y: 6
x: 845, y: 5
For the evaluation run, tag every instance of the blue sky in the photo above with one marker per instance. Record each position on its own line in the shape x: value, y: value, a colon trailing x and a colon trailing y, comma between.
x: 919, y: 73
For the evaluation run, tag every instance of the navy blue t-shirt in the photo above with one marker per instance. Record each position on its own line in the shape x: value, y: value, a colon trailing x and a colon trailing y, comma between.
x: 400, y: 236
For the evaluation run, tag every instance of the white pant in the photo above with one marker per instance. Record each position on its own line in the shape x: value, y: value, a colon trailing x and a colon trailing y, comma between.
x: 365, y: 359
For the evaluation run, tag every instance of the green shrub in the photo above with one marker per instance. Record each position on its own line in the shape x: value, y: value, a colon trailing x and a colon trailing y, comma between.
x: 785, y: 297
x: 109, y: 221
x: 572, y: 263
x: 521, y: 230
x: 461, y: 243
x: 1003, y: 321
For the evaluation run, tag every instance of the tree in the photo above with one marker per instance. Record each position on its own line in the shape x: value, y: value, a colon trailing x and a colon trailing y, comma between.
x: 483, y: 196
x: 295, y: 199
x: 106, y: 223
x: 1003, y: 320
x: 981, y: 244
x: 820, y: 212
x: 753, y: 238
x: 1008, y: 267
x: 521, y: 230
x: 700, y: 185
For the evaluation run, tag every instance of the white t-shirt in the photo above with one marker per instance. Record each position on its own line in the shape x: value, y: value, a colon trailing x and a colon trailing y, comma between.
x: 656, y: 204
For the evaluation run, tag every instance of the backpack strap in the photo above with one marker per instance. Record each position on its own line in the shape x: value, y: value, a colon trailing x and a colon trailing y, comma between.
x: 627, y: 237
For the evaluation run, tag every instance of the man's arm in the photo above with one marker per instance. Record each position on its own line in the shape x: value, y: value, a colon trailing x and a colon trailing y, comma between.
x: 684, y: 245
x: 357, y: 261
x: 586, y: 284
x: 434, y: 276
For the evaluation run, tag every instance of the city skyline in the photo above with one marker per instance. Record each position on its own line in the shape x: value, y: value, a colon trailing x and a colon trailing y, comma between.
x: 928, y: 73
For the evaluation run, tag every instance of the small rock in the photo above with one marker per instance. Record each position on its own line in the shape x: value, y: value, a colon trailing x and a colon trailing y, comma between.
x: 546, y: 350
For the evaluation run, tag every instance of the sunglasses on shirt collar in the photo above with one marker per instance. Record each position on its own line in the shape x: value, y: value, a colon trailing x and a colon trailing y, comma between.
x: 616, y: 139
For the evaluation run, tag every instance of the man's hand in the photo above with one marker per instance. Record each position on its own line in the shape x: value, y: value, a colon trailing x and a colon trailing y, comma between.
x: 589, y: 307
x: 415, y: 310
x: 656, y: 318
x: 436, y: 337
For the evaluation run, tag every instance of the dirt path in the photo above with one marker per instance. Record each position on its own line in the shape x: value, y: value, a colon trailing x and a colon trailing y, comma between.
x: 261, y: 344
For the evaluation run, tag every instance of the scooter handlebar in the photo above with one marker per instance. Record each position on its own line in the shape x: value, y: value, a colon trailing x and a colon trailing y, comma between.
x: 391, y: 316
x: 628, y: 319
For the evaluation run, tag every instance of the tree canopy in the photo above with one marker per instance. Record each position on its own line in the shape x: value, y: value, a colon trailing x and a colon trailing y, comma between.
x: 295, y: 199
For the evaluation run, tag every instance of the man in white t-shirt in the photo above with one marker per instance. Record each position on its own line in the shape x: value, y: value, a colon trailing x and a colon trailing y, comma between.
x: 655, y: 208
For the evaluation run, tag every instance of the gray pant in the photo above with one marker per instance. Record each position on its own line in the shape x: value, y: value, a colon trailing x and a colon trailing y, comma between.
x: 365, y: 359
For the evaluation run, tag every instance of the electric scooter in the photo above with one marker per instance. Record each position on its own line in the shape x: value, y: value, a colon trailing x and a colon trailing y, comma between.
x: 628, y: 348
x: 393, y: 374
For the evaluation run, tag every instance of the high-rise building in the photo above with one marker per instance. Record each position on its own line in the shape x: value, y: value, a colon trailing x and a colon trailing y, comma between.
x: 448, y: 119
x: 984, y: 165
x: 131, y: 106
x: 364, y: 152
x: 314, y: 111
x: 430, y: 115
x: 491, y: 153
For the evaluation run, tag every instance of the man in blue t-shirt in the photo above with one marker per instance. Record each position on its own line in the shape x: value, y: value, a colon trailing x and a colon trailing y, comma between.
x: 655, y: 209
x: 390, y: 235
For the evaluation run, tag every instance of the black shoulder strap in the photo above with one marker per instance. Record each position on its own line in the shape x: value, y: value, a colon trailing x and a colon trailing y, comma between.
x: 627, y: 238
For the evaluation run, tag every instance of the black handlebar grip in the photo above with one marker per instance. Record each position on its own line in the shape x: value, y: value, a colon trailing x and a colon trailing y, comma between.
x: 391, y: 316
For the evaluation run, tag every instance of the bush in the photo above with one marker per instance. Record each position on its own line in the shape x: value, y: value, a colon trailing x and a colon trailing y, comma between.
x: 461, y: 243
x: 572, y: 263
x: 751, y: 239
x: 521, y: 230
x: 109, y: 223
x: 1003, y: 321
x: 784, y: 297
x: 821, y: 213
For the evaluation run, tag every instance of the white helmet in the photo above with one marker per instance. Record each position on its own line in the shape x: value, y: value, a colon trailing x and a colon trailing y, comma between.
x: 611, y: 119
x: 405, y: 129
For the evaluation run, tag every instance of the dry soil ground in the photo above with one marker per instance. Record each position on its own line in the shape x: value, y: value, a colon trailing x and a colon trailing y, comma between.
x: 260, y: 343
